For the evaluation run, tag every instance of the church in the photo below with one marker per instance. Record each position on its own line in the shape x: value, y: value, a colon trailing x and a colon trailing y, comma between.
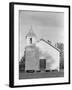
x: 40, y: 55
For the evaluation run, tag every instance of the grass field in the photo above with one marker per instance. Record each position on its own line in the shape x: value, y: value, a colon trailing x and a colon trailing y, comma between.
x: 25, y: 75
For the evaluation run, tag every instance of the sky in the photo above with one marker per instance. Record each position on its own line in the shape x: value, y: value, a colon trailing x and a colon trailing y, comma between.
x: 45, y: 24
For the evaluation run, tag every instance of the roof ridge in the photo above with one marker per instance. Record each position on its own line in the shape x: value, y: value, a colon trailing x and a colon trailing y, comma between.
x: 50, y: 45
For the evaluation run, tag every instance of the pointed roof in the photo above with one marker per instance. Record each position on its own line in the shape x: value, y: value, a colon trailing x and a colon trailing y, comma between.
x: 31, y: 33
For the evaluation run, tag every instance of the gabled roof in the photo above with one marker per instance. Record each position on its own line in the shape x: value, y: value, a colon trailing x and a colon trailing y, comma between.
x: 50, y: 45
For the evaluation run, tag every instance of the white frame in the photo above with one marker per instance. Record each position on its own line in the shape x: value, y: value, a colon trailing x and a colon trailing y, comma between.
x: 16, y: 29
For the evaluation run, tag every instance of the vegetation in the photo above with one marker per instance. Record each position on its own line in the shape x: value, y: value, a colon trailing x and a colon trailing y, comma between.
x: 60, y: 46
x: 22, y: 64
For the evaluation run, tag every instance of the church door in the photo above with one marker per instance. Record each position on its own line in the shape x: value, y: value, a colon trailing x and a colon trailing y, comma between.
x: 42, y: 64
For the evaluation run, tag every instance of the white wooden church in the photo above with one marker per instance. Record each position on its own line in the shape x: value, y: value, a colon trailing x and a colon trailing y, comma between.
x: 40, y: 54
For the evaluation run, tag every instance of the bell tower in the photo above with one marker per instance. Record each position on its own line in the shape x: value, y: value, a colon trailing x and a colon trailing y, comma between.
x: 31, y: 37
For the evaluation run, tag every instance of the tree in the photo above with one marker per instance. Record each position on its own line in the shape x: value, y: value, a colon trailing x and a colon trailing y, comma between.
x: 22, y: 64
x: 60, y: 46
x: 49, y: 41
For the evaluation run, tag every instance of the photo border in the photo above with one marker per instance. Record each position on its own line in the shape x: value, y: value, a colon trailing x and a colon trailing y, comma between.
x: 11, y: 42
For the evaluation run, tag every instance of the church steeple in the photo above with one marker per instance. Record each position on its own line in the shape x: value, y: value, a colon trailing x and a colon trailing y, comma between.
x: 31, y: 37
x: 30, y: 33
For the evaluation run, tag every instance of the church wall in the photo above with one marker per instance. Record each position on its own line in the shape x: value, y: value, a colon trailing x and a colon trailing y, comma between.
x: 32, y: 58
x: 51, y: 55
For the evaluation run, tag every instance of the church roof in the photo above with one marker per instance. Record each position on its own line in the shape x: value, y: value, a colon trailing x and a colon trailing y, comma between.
x: 50, y: 44
x: 31, y: 33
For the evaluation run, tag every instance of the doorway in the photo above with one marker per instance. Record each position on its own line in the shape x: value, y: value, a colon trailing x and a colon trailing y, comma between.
x: 42, y: 64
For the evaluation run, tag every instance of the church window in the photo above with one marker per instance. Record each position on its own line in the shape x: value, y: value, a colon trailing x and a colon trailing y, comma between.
x: 31, y: 40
